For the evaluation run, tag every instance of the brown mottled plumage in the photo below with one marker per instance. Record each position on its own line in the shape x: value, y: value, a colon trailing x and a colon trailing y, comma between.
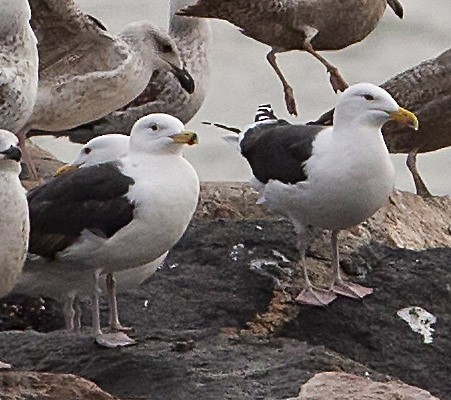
x: 163, y: 93
x: 85, y: 71
x: 299, y: 25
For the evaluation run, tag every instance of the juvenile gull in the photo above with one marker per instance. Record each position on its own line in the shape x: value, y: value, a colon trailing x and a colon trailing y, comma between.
x: 426, y: 90
x: 163, y: 93
x: 326, y: 177
x: 119, y: 215
x: 18, y: 65
x: 299, y: 25
x: 14, y: 223
x: 85, y: 71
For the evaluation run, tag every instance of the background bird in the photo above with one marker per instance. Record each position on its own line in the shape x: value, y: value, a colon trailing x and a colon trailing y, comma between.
x: 86, y: 72
x: 18, y: 65
x: 299, y: 25
x: 426, y: 90
x: 163, y: 93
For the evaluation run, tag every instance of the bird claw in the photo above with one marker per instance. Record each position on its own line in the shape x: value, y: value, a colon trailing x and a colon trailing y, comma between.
x: 350, y: 289
x: 315, y: 297
x: 4, y: 365
x: 114, y: 340
x: 337, y: 81
x: 290, y: 101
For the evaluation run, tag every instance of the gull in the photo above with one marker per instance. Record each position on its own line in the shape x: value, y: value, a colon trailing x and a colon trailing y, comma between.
x: 326, y: 177
x: 117, y: 215
x: 163, y: 93
x: 299, y: 25
x: 426, y: 90
x: 14, y: 222
x: 85, y: 72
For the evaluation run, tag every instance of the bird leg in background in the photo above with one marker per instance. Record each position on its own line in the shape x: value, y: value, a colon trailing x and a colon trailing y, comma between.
x: 77, y: 316
x: 287, y: 89
x: 420, y: 186
x: 95, y: 306
x: 310, y: 295
x: 339, y: 285
x: 32, y: 171
x: 69, y: 313
x: 114, y: 323
x: 336, y: 80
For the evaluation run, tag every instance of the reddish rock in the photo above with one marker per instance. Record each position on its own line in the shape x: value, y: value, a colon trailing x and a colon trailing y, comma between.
x: 343, y: 386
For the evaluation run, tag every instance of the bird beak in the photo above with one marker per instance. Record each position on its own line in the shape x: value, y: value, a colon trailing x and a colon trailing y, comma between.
x: 13, y: 153
x: 184, y: 77
x: 65, y: 169
x: 405, y: 118
x: 185, y: 137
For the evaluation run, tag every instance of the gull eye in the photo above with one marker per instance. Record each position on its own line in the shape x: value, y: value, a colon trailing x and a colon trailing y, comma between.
x: 368, y: 97
x: 154, y: 127
x: 87, y: 150
x: 167, y: 48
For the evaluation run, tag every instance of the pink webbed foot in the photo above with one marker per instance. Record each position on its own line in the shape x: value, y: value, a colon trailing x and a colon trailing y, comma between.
x: 350, y: 289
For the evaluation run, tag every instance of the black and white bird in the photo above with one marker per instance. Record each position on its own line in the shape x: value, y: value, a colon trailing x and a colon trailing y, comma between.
x: 70, y: 288
x: 117, y: 215
x: 307, y: 25
x: 14, y: 223
x: 326, y: 177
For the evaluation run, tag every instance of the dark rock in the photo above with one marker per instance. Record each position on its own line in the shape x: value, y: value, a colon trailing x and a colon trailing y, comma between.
x: 195, y: 322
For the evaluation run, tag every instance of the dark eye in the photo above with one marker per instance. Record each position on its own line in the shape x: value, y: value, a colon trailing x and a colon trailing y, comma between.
x: 86, y: 150
x: 167, y: 48
x: 368, y: 97
x: 154, y: 127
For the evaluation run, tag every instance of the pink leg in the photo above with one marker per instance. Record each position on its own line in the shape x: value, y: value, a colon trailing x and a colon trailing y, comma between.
x: 26, y: 155
x: 336, y: 80
x: 287, y: 89
x: 339, y: 285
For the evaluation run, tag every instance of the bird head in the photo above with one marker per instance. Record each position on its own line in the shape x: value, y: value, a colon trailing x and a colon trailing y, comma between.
x: 160, y: 133
x: 9, y: 147
x: 99, y: 150
x: 161, y: 49
x: 371, y: 105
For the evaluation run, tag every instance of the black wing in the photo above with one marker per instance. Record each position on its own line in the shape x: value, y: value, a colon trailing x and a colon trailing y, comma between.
x: 90, y: 198
x: 278, y: 151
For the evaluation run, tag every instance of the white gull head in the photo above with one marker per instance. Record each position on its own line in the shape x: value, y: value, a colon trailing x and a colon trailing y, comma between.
x: 102, y: 149
x: 160, y: 134
x: 369, y: 105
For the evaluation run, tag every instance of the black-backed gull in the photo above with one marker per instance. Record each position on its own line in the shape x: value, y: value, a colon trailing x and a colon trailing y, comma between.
x: 326, y: 177
x: 118, y: 215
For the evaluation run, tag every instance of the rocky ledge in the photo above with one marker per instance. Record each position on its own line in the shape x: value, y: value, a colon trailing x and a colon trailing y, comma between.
x: 218, y: 320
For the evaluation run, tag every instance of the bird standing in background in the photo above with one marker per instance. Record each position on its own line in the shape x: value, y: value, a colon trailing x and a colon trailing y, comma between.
x: 326, y: 177
x: 163, y: 93
x: 18, y: 65
x: 305, y: 25
x: 85, y: 72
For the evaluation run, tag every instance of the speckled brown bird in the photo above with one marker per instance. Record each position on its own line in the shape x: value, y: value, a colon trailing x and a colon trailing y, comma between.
x: 307, y: 25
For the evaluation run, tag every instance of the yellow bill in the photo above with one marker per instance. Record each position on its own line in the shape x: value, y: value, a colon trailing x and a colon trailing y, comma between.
x: 185, y: 137
x: 65, y: 169
x: 405, y: 118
